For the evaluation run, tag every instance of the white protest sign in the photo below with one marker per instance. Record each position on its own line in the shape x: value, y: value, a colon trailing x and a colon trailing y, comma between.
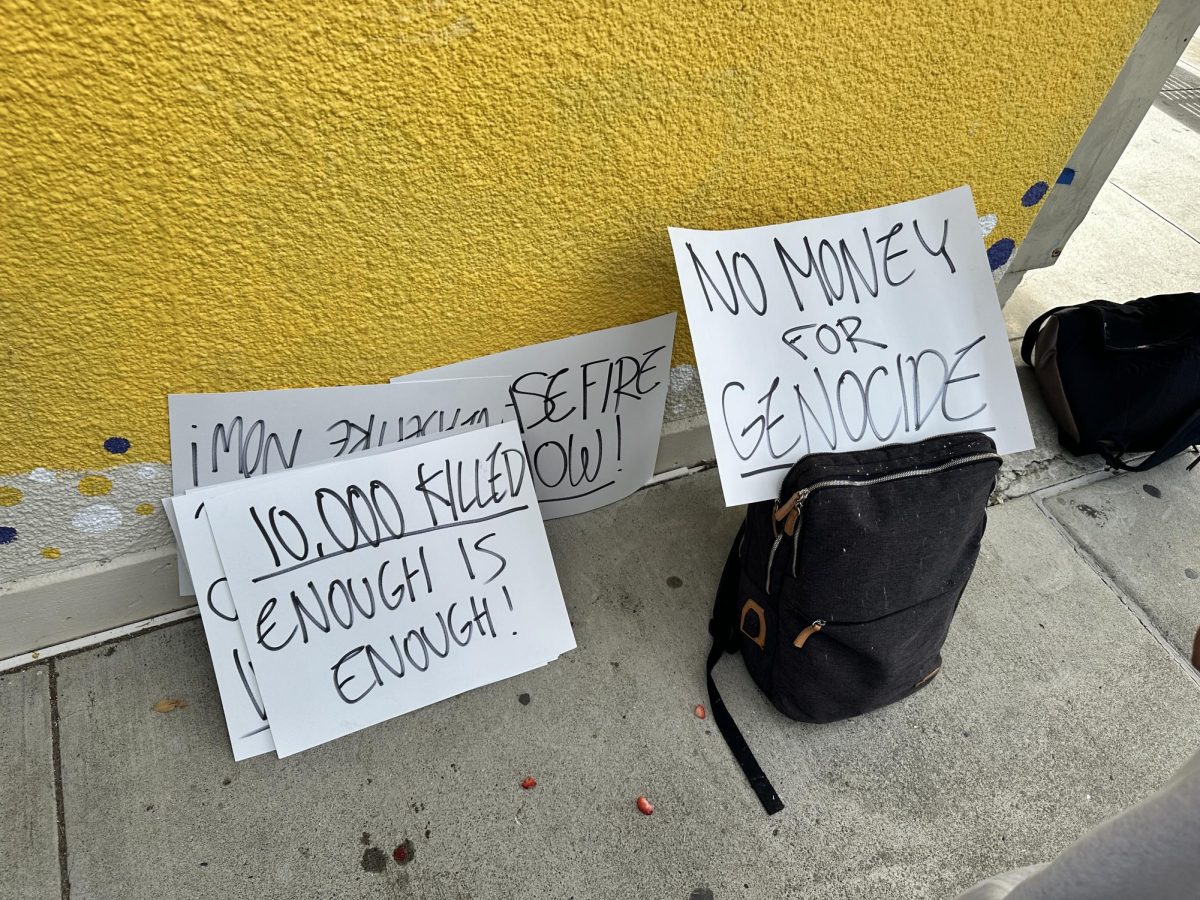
x: 245, y: 715
x: 590, y: 409
x: 846, y: 333
x: 217, y: 438
x: 373, y: 586
x: 185, y: 574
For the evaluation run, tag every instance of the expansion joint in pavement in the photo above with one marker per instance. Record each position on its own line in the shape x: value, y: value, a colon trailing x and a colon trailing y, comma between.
x: 1150, y: 208
x: 1128, y: 602
x: 60, y: 805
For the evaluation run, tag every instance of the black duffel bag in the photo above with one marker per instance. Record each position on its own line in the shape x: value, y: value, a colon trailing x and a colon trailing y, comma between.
x: 840, y: 594
x: 1121, y: 377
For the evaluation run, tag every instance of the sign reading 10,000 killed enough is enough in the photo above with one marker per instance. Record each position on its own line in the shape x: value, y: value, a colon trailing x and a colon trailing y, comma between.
x: 846, y: 333
x: 374, y: 586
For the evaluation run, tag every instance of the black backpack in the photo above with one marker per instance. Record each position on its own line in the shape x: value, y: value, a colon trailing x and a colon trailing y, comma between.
x: 840, y: 593
x: 1121, y: 377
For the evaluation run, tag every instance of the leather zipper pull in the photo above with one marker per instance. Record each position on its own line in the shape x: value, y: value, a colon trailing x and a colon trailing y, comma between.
x: 803, y: 636
x: 787, y: 514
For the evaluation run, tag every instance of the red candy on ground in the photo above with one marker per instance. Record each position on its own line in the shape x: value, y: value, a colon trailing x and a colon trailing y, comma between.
x: 645, y: 806
x: 700, y: 711
x: 529, y: 783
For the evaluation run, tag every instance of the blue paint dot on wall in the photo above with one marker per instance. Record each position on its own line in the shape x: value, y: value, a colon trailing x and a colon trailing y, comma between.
x: 7, y: 534
x: 1066, y: 176
x: 1000, y: 251
x: 1034, y: 195
x: 117, y: 445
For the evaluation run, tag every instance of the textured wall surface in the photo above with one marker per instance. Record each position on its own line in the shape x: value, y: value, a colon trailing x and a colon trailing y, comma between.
x: 204, y: 196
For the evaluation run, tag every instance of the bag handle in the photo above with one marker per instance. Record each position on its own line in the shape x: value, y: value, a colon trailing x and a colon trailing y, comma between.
x: 1177, y: 315
x: 1032, y: 332
x: 1167, y: 305
x: 723, y: 628
x: 1185, y: 435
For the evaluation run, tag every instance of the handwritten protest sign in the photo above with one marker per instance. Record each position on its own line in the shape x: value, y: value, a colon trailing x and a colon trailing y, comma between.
x: 185, y: 574
x: 217, y: 438
x: 245, y: 714
x: 373, y: 586
x: 590, y: 409
x: 845, y: 333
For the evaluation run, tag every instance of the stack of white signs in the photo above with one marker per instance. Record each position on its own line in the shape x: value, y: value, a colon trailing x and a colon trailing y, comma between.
x: 361, y: 552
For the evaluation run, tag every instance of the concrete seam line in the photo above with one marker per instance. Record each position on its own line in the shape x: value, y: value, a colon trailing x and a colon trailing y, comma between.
x: 1075, y: 481
x: 1128, y: 602
x: 64, y: 877
x: 676, y: 474
x: 1140, y: 202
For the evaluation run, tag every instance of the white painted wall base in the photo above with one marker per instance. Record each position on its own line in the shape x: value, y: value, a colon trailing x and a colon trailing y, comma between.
x: 39, y: 613
x: 73, y: 603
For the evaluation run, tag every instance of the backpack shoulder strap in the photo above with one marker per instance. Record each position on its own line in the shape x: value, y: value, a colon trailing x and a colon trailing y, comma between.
x: 723, y: 628
x: 723, y: 624
x: 1185, y: 435
x: 1031, y: 334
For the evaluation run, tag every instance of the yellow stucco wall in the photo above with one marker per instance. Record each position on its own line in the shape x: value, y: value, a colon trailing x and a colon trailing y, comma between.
x: 205, y: 196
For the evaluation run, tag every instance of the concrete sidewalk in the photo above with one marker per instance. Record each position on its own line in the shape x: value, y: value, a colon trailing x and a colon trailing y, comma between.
x: 1057, y: 708
x: 1064, y: 699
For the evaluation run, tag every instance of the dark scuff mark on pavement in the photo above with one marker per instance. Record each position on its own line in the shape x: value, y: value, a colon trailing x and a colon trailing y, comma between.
x: 374, y: 860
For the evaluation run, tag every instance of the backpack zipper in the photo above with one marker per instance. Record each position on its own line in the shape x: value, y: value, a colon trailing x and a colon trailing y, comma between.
x: 821, y: 624
x: 803, y: 636
x: 795, y: 503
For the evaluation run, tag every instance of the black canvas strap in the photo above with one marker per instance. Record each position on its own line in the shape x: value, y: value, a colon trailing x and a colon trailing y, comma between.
x: 1185, y: 436
x: 723, y: 628
x: 1032, y: 332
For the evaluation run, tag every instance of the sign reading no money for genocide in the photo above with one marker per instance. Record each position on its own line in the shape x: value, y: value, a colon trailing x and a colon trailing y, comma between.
x: 372, y: 587
x: 846, y: 333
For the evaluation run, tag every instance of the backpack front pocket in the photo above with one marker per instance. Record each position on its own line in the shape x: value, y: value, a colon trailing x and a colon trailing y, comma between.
x: 860, y: 665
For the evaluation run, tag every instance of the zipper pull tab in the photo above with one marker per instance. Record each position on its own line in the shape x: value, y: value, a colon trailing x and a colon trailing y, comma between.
x: 781, y: 512
x: 794, y: 525
x: 787, y: 514
x: 803, y: 636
